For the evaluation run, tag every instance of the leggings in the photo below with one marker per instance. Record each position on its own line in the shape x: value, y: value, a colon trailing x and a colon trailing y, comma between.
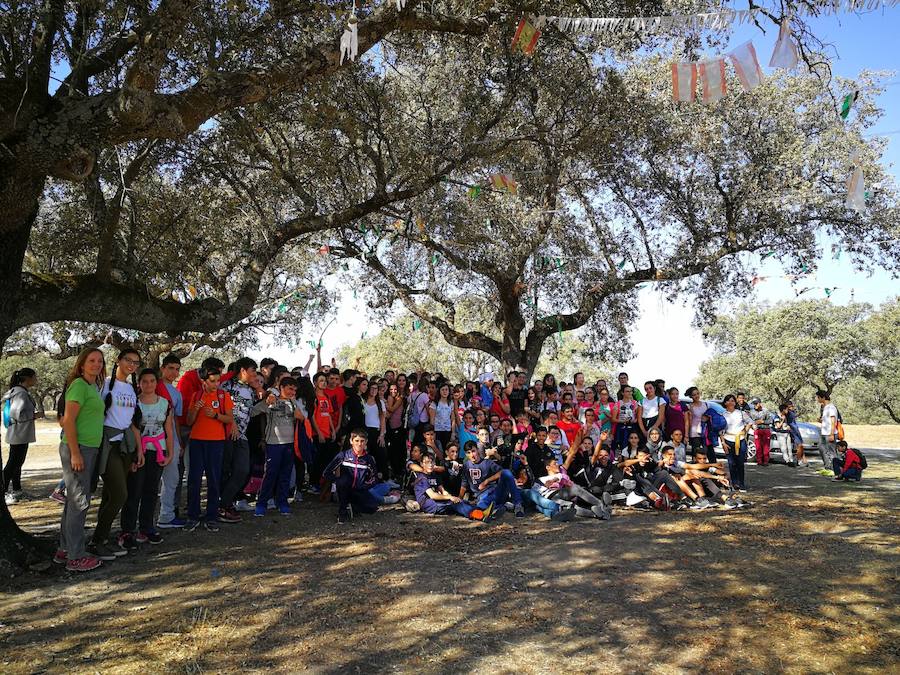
x: 115, y: 490
x: 396, y: 450
x: 660, y: 478
x: 12, y: 472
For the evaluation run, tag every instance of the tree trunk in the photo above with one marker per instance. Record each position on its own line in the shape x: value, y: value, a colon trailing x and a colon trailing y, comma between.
x: 19, y: 197
x: 890, y: 411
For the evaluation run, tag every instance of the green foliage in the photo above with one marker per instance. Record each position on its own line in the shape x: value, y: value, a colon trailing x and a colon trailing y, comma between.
x: 51, y: 374
x: 794, y: 348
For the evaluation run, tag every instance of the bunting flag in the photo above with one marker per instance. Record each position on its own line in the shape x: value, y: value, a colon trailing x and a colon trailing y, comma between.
x: 847, y: 104
x: 417, y: 324
x: 192, y: 291
x: 504, y: 182
x: 324, y: 249
x: 350, y: 40
x: 684, y: 82
x: 420, y: 223
x: 712, y: 79
x: 856, y: 188
x: 474, y: 191
x: 785, y: 53
x: 747, y: 66
x: 527, y: 34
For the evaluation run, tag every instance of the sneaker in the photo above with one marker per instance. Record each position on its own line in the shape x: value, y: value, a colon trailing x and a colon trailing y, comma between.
x: 729, y: 504
x: 242, y: 506
x: 391, y: 498
x: 563, y: 515
x: 520, y: 511
x: 477, y: 514
x: 298, y: 497
x: 488, y: 513
x: 509, y: 506
x: 211, y: 525
x: 600, y: 512
x: 633, y: 499
x: 629, y: 484
x: 172, y: 524
x: 58, y: 496
x: 60, y: 557
x: 702, y: 503
x: 141, y: 538
x: 343, y: 517
x: 284, y: 510
x: 314, y: 490
x: 606, y: 498
x: 617, y: 496
x: 229, y: 516
x: 191, y: 525
x: 260, y: 511
x: 85, y: 564
x: 126, y: 542
x: 412, y: 505
x: 683, y: 505
x: 153, y: 537
x: 271, y: 505
x: 101, y: 551
x: 11, y: 499
x: 803, y: 464
x: 662, y: 504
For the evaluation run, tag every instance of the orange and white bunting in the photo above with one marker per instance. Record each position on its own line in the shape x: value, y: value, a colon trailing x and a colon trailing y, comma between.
x: 527, y: 34
x: 785, y: 53
x: 712, y: 79
x: 684, y: 82
x: 747, y: 66
x: 505, y: 182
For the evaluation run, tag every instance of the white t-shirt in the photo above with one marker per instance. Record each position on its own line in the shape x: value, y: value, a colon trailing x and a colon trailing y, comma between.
x: 442, y: 416
x: 828, y: 412
x: 734, y: 421
x: 121, y: 412
x: 651, y: 407
x: 373, y: 420
x: 697, y: 411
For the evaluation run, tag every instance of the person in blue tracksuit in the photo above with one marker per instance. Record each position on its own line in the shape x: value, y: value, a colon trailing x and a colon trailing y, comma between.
x: 433, y: 498
x: 489, y: 482
x: 354, y: 472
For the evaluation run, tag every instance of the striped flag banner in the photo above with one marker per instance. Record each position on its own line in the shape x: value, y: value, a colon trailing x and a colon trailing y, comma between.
x: 526, y: 36
x: 712, y: 79
x: 502, y: 181
x: 747, y: 66
x: 684, y: 82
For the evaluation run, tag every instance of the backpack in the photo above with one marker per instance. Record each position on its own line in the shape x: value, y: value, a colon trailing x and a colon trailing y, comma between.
x: 863, y: 464
x: 839, y: 426
x: 717, y: 422
x: 7, y: 413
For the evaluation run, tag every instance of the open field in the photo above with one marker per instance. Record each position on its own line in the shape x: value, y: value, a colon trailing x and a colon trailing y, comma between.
x: 873, y: 435
x: 805, y: 581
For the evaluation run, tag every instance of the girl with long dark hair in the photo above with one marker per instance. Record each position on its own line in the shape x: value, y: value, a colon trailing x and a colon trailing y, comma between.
x: 395, y: 408
x: 19, y: 412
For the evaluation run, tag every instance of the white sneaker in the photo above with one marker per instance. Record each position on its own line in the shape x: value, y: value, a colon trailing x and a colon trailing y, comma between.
x: 11, y: 499
x: 243, y: 506
x: 298, y: 498
x: 634, y: 498
x: 390, y: 499
x: 271, y: 505
x: 412, y: 505
x: 629, y: 484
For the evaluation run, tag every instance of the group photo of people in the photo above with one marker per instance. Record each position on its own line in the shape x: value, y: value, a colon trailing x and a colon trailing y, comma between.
x: 161, y: 449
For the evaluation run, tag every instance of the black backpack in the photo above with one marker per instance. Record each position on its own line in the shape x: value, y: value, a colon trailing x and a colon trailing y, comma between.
x: 863, y: 464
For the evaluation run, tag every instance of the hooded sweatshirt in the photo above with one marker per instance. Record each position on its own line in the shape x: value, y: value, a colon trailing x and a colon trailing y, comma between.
x: 21, y: 415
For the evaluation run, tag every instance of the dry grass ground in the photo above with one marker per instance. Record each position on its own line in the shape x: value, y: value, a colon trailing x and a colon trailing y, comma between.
x: 805, y: 581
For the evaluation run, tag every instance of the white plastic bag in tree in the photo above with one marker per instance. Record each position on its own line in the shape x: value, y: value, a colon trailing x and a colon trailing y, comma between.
x: 856, y: 187
x: 785, y: 53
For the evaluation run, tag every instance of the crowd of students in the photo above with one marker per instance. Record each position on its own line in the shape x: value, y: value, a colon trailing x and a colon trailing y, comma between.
x: 260, y: 433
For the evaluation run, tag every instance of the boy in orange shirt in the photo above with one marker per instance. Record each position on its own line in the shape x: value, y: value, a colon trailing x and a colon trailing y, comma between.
x: 209, y: 415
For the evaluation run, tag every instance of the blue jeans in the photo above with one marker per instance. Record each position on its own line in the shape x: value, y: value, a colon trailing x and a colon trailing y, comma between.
x: 736, y: 462
x: 206, y: 457
x: 503, y: 490
x: 546, y: 506
x: 463, y: 509
x: 362, y: 499
x: 837, y: 466
x: 279, y: 462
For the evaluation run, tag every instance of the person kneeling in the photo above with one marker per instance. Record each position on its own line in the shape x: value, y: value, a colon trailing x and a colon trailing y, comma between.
x: 848, y: 465
x: 432, y: 497
x: 354, y: 473
x: 557, y: 485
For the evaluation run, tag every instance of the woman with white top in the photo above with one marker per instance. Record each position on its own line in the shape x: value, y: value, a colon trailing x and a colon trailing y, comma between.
x: 734, y: 440
x: 653, y: 410
x: 376, y: 426
x: 441, y: 413
x: 626, y: 420
x: 698, y: 410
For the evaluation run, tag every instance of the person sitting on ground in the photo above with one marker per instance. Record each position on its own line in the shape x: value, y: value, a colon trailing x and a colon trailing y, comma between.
x: 430, y: 443
x: 432, y: 497
x: 654, y: 443
x: 558, y: 487
x: 605, y: 475
x: 556, y: 442
x: 354, y: 472
x: 578, y: 461
x: 706, y: 477
x: 489, y: 482
x: 451, y: 478
x: 531, y: 496
x: 676, y: 470
x: 650, y: 479
x: 848, y: 464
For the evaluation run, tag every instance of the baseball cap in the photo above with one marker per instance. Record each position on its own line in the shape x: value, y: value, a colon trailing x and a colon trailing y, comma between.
x: 755, y: 400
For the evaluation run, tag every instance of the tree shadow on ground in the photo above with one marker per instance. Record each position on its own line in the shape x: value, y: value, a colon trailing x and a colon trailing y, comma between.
x: 806, y: 580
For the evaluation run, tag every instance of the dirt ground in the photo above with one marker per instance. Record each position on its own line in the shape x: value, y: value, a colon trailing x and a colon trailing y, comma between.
x: 805, y: 581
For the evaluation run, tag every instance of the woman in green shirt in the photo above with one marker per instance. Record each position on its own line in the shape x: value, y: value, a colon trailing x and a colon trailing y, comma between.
x: 78, y: 451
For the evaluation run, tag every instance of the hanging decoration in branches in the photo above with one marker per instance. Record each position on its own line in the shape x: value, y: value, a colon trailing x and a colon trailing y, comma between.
x: 350, y: 38
x: 504, y: 182
x: 684, y: 82
x: 712, y: 80
x: 527, y: 34
x: 745, y: 63
x: 847, y: 104
x: 856, y: 188
x: 785, y: 54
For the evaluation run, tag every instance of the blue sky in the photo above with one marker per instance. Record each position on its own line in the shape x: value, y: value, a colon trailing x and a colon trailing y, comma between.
x: 859, y: 42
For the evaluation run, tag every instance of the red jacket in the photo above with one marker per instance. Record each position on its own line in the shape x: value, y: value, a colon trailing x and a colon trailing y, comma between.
x: 851, y: 461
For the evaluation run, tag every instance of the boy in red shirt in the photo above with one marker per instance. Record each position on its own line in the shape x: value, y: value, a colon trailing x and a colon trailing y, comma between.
x: 848, y: 464
x: 568, y: 424
x: 209, y: 414
x: 325, y: 423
